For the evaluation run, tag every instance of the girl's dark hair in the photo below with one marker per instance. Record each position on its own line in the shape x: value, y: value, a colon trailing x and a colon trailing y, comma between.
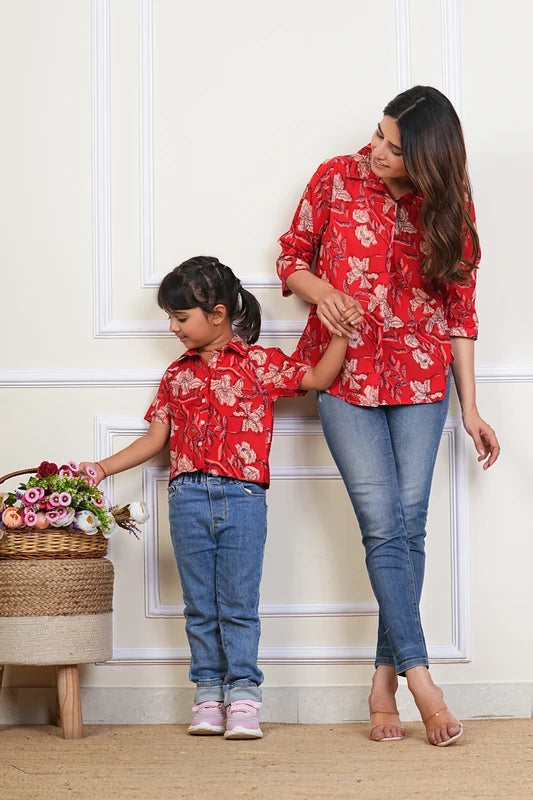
x: 203, y: 282
x: 435, y: 161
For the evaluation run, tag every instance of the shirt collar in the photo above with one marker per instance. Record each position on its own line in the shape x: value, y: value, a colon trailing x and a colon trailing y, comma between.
x: 360, y: 168
x: 235, y: 343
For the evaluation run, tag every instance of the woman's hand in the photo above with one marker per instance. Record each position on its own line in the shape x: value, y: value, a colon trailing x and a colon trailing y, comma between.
x: 485, y: 440
x: 339, y: 312
x: 100, y: 474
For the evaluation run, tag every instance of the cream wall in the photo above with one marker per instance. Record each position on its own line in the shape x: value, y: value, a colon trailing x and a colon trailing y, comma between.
x: 136, y: 134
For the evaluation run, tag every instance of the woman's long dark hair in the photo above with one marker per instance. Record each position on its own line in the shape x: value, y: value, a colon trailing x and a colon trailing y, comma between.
x: 435, y: 161
x: 203, y: 282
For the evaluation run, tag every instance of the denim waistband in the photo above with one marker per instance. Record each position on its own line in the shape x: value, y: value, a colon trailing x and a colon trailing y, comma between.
x: 205, y: 477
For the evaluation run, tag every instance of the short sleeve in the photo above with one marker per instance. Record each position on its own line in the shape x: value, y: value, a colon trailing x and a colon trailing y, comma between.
x: 159, y: 409
x: 281, y: 375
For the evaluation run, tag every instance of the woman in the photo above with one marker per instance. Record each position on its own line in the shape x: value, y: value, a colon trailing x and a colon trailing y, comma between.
x: 392, y: 229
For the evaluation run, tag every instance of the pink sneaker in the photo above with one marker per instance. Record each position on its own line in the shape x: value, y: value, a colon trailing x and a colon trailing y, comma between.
x: 208, y: 720
x: 242, y: 720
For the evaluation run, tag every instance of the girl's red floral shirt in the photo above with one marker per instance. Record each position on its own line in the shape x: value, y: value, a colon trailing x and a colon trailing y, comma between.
x: 221, y: 413
x: 370, y: 246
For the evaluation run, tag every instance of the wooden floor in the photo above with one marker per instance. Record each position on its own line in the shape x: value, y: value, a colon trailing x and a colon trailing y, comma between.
x: 493, y: 761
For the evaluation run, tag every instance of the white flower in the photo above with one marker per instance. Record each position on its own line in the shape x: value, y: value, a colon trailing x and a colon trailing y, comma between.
x: 111, y: 522
x: 87, y: 522
x: 138, y: 511
x: 65, y: 521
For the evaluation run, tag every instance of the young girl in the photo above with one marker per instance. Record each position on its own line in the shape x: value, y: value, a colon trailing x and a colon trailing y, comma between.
x: 215, y: 403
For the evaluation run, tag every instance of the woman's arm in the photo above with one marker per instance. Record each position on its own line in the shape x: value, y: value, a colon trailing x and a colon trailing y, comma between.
x: 338, y: 312
x: 139, y: 451
x: 324, y: 373
x: 485, y: 440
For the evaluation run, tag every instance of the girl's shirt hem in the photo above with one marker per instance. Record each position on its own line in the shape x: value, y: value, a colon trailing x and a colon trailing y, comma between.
x: 221, y: 413
x: 370, y: 246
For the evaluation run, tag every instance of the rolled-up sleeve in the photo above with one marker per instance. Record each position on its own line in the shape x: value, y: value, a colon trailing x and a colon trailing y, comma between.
x: 460, y: 304
x: 300, y: 243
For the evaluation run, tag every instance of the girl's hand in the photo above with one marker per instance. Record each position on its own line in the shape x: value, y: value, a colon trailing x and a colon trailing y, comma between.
x: 100, y: 474
x: 485, y: 440
x: 339, y: 312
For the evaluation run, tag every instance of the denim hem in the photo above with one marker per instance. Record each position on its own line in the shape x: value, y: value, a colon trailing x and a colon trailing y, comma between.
x: 209, y: 692
x: 239, y: 692
x: 383, y: 661
x: 410, y: 663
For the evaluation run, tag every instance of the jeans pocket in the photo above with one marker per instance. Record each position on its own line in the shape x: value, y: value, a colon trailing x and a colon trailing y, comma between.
x: 173, y: 489
x: 252, y: 489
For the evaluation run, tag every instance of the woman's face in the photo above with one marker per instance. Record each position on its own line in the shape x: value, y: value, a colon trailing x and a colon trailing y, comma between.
x: 387, y: 157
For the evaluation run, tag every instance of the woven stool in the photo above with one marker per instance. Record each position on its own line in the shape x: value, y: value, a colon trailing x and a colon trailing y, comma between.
x: 57, y: 611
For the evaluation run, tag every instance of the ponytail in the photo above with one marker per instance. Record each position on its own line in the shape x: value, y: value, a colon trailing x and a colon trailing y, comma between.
x: 248, y: 318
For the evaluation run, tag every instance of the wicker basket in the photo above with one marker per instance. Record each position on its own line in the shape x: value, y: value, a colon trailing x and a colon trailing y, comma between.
x: 67, y: 542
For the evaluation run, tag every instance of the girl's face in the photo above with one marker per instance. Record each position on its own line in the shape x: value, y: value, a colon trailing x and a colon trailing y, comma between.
x: 200, y: 331
x: 387, y: 157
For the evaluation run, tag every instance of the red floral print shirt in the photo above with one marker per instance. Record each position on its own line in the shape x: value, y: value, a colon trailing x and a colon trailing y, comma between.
x: 221, y: 412
x: 369, y: 246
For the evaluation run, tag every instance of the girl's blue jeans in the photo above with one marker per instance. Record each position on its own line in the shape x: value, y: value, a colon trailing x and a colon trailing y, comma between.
x: 386, y: 456
x: 218, y: 530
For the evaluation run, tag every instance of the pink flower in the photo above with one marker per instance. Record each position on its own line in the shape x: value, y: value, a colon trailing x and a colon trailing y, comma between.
x: 64, y: 472
x: 31, y: 496
x: 65, y: 498
x: 53, y: 516
x: 91, y: 472
x: 55, y: 500
x: 99, y: 501
x: 74, y: 466
x: 30, y: 517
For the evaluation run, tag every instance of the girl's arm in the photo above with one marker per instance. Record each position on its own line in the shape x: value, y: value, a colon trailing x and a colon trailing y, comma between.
x: 337, y: 311
x: 139, y: 451
x: 327, y: 369
x: 485, y: 440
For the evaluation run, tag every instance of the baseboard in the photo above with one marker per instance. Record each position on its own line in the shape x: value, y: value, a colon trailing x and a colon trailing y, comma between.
x: 320, y: 704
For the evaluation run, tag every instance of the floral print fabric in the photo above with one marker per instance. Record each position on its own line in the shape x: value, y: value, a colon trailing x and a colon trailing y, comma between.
x: 221, y: 413
x: 368, y: 245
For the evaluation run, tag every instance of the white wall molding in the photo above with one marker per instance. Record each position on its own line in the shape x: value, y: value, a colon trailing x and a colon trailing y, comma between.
x: 403, y: 45
x: 451, y: 51
x: 105, y: 325
x: 457, y: 650
x: 93, y: 378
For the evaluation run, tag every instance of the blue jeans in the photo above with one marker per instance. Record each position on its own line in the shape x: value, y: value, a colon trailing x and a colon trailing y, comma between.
x: 218, y: 530
x: 386, y: 457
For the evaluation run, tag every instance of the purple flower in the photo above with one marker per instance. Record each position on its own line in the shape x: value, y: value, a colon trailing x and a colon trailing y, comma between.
x: 65, y: 498
x: 54, y: 500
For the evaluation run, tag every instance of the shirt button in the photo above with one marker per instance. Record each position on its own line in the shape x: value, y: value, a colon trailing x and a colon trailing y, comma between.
x: 202, y: 422
x: 204, y: 400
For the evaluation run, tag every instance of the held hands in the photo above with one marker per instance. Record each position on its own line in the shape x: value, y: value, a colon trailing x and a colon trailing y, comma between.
x: 485, y: 440
x: 339, y: 312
